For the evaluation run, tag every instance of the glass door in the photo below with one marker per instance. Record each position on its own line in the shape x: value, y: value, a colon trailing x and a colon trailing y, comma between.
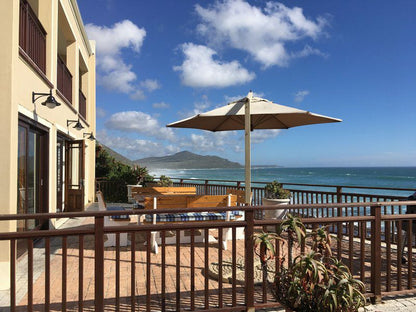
x: 32, y: 182
x: 32, y: 175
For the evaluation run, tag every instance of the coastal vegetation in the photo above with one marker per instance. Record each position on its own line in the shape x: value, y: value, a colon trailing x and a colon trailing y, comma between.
x: 107, y: 168
x: 314, y: 280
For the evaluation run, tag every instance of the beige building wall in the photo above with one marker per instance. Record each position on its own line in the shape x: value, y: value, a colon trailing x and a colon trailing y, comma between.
x: 18, y: 79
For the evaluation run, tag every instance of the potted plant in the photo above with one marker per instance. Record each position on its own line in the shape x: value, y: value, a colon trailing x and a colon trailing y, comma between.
x: 275, y: 195
x: 316, y: 280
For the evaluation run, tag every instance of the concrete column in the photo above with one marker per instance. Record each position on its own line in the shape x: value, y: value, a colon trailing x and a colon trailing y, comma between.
x: 9, y: 36
x: 90, y: 190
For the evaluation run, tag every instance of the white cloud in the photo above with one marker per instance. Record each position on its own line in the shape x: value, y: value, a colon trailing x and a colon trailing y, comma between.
x: 200, y: 106
x: 114, y: 73
x: 135, y: 148
x: 150, y: 84
x: 100, y: 112
x: 138, y: 95
x: 300, y: 95
x: 110, y: 41
x: 223, y: 141
x: 139, y: 122
x: 263, y: 33
x: 212, y: 142
x: 160, y: 105
x: 259, y: 136
x: 200, y: 69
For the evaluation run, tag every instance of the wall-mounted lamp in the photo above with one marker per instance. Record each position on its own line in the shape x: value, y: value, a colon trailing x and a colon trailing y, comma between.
x: 77, y: 126
x: 90, y: 136
x: 50, y: 100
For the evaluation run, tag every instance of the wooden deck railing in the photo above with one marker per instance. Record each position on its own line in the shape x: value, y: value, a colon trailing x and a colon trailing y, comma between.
x: 32, y: 36
x: 133, y: 278
x: 64, y: 80
x: 301, y: 193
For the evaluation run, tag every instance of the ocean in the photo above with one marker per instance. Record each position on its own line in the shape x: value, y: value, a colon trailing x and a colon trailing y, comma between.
x: 389, y: 177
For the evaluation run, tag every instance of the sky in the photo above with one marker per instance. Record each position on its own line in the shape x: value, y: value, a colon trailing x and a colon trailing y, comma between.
x: 162, y: 61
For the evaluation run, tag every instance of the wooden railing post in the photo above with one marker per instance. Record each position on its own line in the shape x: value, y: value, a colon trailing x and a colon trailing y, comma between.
x: 249, y: 260
x: 99, y: 263
x: 340, y: 227
x: 206, y: 187
x: 376, y: 254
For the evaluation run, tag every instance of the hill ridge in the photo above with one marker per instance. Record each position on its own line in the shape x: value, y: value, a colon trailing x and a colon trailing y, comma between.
x: 187, y: 160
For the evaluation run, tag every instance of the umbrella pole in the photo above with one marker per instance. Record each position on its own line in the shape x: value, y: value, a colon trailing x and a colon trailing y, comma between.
x: 247, y: 145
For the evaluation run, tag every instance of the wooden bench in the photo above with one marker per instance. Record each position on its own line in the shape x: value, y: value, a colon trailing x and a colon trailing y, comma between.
x: 190, y: 201
x: 113, y: 221
x: 137, y: 192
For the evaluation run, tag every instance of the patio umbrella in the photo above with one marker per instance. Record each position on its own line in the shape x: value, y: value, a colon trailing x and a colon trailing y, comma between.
x: 251, y: 113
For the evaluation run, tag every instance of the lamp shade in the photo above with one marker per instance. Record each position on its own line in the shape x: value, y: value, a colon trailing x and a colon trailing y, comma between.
x: 50, y: 102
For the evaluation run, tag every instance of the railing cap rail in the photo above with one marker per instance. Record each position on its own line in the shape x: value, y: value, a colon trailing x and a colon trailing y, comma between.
x: 7, y: 217
x: 299, y: 184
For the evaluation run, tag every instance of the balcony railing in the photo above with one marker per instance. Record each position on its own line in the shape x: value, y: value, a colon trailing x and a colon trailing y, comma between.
x: 80, y: 273
x: 82, y: 105
x: 32, y: 36
x: 64, y: 80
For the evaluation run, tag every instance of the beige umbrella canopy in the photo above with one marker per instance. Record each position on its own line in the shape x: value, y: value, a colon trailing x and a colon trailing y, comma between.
x: 248, y: 114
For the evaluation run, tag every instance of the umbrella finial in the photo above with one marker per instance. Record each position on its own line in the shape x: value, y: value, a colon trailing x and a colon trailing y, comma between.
x: 250, y: 95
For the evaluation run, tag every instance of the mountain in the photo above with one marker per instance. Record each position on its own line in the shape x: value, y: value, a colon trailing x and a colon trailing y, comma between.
x: 117, y: 156
x: 186, y: 160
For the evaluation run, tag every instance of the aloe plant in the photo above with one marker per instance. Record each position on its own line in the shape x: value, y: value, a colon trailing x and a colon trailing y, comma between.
x: 264, y: 249
x: 321, y: 241
x: 316, y: 280
x: 275, y: 190
x: 294, y: 227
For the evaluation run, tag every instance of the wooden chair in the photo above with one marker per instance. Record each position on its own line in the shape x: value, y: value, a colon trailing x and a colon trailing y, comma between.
x: 189, y: 201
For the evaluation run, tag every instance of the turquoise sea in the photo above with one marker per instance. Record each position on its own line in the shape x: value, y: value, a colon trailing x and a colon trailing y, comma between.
x: 390, y: 177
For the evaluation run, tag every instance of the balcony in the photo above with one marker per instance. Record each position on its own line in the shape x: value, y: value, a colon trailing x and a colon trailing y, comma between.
x: 64, y: 80
x: 75, y: 271
x: 32, y: 37
x: 82, y: 105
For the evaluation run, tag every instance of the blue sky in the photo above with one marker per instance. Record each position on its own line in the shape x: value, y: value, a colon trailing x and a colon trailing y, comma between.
x: 161, y: 61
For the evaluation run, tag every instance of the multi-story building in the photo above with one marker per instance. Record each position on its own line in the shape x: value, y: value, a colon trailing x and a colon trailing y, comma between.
x: 47, y: 158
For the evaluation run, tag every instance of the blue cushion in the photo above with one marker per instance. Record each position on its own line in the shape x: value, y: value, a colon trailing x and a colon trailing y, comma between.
x: 190, y: 216
x: 119, y: 217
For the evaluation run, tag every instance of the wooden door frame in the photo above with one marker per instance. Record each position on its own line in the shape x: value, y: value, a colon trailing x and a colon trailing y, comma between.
x: 43, y: 178
x: 68, y: 172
